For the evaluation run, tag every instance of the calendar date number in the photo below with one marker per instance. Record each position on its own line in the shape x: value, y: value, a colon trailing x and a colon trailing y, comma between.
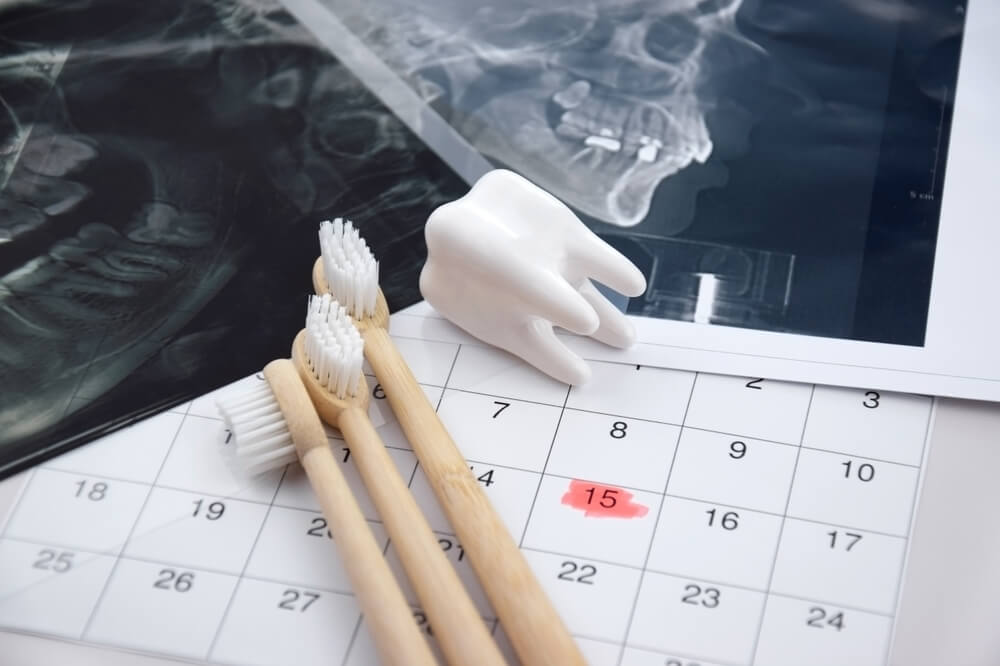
x: 93, y: 491
x: 170, y: 579
x: 208, y: 510
x: 577, y: 573
x: 696, y: 595
x: 297, y: 600
x: 319, y: 528
x: 54, y: 560
x: 820, y: 618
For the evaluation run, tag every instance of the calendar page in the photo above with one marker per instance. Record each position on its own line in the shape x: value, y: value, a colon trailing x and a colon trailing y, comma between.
x: 674, y: 518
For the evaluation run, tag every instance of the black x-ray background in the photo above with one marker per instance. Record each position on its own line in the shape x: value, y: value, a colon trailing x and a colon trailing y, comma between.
x: 163, y: 169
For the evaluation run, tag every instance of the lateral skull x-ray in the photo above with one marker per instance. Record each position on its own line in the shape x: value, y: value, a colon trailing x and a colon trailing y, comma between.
x: 776, y: 162
x: 597, y: 103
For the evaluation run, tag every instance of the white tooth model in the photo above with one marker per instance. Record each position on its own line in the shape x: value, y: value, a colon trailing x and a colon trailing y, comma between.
x: 508, y: 261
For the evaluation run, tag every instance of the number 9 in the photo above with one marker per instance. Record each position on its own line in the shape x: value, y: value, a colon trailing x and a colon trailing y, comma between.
x: 737, y: 450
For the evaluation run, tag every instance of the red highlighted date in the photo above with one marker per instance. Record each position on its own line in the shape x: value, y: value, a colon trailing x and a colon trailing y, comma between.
x: 600, y: 501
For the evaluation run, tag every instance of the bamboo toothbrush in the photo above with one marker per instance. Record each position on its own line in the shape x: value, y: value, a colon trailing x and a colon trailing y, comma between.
x: 275, y: 423
x: 347, y: 269
x: 327, y: 355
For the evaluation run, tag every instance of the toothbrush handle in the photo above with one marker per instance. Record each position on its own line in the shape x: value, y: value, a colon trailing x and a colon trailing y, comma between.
x: 389, y: 617
x: 458, y: 627
x: 535, y: 629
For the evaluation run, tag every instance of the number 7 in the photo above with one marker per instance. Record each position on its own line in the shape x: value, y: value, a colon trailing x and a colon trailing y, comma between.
x: 503, y: 406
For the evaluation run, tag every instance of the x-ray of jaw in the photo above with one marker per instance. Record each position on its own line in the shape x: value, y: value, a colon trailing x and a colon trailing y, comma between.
x: 597, y: 103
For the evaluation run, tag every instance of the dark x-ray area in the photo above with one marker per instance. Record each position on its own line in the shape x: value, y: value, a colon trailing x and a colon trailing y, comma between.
x: 164, y: 168
x: 778, y: 162
x: 769, y: 164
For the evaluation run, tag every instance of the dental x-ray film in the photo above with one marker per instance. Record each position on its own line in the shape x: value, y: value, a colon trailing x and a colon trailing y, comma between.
x: 772, y: 166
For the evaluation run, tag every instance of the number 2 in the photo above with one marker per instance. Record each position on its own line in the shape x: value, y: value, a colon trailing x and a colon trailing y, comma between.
x: 755, y: 384
x: 56, y: 561
x: 821, y: 619
x: 586, y: 572
x: 290, y: 600
x: 697, y: 596
x: 171, y: 580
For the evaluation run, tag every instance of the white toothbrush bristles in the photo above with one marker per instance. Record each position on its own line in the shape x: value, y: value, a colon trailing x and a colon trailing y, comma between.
x: 334, y: 347
x: 260, y: 434
x: 349, y: 267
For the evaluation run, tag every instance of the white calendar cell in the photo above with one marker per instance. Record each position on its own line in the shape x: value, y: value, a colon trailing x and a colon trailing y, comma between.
x: 595, y: 652
x: 853, y: 492
x: 733, y: 470
x: 201, y: 531
x: 559, y: 527
x: 429, y: 360
x: 296, y: 491
x: 796, y: 632
x: 181, y: 608
x: 594, y: 599
x: 637, y: 657
x: 199, y: 462
x: 134, y: 453
x: 459, y: 561
x: 695, y: 618
x: 49, y: 589
x: 617, y: 450
x: 495, y: 372
x: 295, y: 546
x: 509, y: 490
x: 598, y: 653
x: 384, y: 420
x: 77, y: 511
x: 749, y: 406
x: 875, y: 424
x: 715, y: 542
x: 499, y: 431
x: 838, y: 565
x: 274, y: 623
x: 643, y: 392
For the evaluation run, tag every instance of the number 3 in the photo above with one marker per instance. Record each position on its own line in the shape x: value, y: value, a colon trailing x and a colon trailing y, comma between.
x: 871, y: 399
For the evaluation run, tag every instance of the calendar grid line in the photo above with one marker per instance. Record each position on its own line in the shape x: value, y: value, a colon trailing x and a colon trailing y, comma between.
x: 781, y: 530
x: 22, y: 491
x: 243, y: 569
x: 114, y: 566
x: 652, y: 536
x: 541, y: 477
x: 768, y: 544
x: 913, y: 512
x: 348, y: 593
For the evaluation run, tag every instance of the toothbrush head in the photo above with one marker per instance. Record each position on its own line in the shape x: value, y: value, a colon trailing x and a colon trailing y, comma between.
x: 328, y: 354
x: 347, y: 270
x: 261, y: 439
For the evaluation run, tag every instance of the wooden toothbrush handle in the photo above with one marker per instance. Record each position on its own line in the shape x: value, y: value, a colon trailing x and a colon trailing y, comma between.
x: 389, y: 618
x: 458, y: 627
x: 535, y: 629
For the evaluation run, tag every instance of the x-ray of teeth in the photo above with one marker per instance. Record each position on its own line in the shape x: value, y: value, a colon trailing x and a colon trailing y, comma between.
x: 769, y: 164
x: 613, y: 93
x: 804, y: 142
x: 163, y: 170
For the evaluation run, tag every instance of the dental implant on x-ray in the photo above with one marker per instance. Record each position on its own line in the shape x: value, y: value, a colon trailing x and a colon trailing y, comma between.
x: 597, y: 103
